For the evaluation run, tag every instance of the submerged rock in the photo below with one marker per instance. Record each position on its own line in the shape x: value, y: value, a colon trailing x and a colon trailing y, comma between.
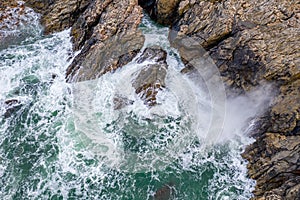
x: 121, y: 102
x: 164, y: 193
x: 11, y: 106
x: 151, y: 79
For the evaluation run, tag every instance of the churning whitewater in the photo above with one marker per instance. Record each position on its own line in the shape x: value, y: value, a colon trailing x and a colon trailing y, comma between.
x: 65, y: 141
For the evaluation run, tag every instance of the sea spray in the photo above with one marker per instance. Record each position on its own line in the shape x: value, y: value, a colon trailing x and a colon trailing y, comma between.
x: 48, y: 149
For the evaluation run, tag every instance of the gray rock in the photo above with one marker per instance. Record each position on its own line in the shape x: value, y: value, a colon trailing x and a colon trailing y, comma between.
x: 151, y: 79
x: 253, y: 42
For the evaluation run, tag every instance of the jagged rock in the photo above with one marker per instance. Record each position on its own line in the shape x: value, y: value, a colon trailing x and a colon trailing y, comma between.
x: 273, y: 162
x: 253, y: 42
x: 58, y: 15
x: 285, y: 113
x: 13, y: 15
x: 163, y: 11
x: 151, y: 79
x: 107, y: 32
x: 121, y: 102
x: 247, y: 44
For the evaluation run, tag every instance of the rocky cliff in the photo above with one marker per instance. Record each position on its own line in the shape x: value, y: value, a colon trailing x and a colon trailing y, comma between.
x: 252, y: 42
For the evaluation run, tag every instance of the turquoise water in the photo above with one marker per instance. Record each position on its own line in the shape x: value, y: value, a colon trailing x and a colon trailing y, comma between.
x: 52, y: 148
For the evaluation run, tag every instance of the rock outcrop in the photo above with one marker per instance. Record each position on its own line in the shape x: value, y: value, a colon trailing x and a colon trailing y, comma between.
x: 14, y: 16
x: 57, y: 15
x: 253, y: 43
x: 151, y: 79
x: 106, y: 32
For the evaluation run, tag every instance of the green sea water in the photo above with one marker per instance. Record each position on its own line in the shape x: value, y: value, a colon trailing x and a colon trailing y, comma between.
x: 51, y: 149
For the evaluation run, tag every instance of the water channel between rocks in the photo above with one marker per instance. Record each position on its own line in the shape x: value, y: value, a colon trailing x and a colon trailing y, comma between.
x: 66, y: 141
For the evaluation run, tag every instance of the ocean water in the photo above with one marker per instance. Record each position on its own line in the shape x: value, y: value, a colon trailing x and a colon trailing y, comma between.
x: 65, y: 141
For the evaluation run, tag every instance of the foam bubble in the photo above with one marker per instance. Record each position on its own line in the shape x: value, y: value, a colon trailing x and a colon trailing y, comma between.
x: 61, y: 146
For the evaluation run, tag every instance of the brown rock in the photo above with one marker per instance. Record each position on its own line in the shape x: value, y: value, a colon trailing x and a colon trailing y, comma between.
x: 13, y: 17
x: 151, y: 79
x: 58, y: 15
x: 162, y: 11
x: 252, y: 43
x: 108, y: 32
x: 247, y: 44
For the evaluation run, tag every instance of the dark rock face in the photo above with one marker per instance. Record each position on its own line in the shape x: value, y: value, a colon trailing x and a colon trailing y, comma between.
x: 105, y: 30
x: 162, y: 11
x: 151, y: 79
x: 58, y: 15
x: 251, y: 43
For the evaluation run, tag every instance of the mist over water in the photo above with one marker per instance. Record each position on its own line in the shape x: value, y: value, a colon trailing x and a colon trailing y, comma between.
x: 65, y: 141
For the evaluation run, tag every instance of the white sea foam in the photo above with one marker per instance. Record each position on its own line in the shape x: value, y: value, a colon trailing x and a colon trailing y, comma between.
x: 78, y: 136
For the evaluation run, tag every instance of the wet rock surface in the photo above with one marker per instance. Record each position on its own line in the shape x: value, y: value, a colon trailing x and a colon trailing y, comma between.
x: 253, y: 43
x: 57, y: 15
x: 14, y: 16
x: 121, y: 102
x: 162, y: 11
x: 105, y: 32
x: 11, y: 106
x: 166, y: 192
x: 108, y: 35
x: 151, y: 79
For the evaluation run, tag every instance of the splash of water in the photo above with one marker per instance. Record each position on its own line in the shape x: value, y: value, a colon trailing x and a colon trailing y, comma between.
x: 50, y: 146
